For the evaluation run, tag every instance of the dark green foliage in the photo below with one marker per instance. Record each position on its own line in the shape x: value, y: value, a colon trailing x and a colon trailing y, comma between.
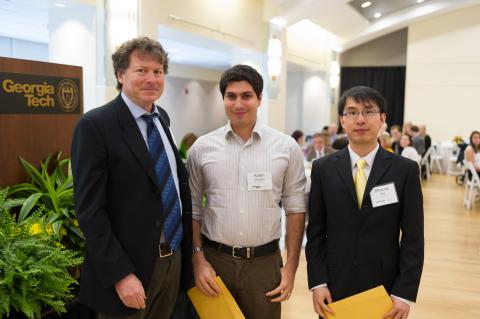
x: 33, y: 268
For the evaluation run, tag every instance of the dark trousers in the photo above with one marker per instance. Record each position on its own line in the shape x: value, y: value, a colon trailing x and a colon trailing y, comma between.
x: 162, y: 292
x: 249, y: 281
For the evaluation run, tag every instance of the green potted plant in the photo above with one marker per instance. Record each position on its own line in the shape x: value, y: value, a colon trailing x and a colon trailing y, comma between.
x: 33, y: 266
x: 53, y: 195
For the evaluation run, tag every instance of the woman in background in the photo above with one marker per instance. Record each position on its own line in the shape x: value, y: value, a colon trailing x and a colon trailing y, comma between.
x: 408, y: 150
x: 472, y: 152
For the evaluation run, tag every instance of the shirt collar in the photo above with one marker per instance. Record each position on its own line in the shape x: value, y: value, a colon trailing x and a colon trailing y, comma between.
x: 136, y: 110
x: 354, y: 157
x: 258, y: 130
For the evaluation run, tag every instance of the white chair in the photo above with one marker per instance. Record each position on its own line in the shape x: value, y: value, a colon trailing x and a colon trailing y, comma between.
x: 472, y: 186
x: 452, y: 167
x: 425, y: 163
x: 436, y: 159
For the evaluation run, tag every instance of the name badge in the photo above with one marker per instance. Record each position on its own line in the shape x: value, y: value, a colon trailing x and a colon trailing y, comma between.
x: 259, y: 181
x: 383, y: 195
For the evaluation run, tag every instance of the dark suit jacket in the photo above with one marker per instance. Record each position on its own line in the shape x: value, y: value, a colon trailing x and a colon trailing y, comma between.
x: 311, y: 154
x: 118, y: 204
x: 354, y: 250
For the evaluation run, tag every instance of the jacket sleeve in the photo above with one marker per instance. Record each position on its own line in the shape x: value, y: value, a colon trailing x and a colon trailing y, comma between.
x: 104, y: 253
x: 412, y: 240
x: 315, y: 250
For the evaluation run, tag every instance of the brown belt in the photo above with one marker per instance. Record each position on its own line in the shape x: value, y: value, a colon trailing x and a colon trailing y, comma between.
x: 243, y: 252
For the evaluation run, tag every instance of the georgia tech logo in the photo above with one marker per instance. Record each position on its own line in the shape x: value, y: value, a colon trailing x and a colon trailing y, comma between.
x: 67, y: 94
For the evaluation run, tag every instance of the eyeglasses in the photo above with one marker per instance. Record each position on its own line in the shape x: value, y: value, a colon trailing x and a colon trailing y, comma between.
x: 367, y: 114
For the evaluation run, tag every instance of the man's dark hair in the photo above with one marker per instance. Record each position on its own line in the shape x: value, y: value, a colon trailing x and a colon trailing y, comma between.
x: 362, y: 94
x: 415, y: 129
x: 142, y: 46
x: 241, y: 72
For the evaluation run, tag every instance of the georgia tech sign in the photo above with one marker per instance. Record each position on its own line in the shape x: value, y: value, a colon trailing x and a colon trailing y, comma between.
x: 35, y: 94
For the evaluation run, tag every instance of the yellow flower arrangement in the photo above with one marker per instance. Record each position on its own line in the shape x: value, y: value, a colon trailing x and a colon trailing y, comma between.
x: 35, y: 229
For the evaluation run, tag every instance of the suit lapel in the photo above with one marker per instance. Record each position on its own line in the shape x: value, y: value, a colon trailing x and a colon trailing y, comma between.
x: 134, y: 139
x: 344, y: 169
x: 381, y: 163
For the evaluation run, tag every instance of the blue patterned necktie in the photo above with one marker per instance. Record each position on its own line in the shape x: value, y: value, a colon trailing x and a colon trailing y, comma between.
x: 172, y: 221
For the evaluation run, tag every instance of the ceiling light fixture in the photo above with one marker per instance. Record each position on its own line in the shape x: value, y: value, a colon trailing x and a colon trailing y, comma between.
x: 366, y: 4
x: 420, y: 1
x: 377, y: 15
x: 60, y: 5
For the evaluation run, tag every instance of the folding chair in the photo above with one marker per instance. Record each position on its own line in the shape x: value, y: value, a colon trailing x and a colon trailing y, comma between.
x: 425, y: 164
x: 436, y: 159
x: 472, y: 185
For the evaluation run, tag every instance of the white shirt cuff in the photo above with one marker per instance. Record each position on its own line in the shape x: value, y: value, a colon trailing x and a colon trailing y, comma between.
x: 319, y: 286
x: 408, y: 302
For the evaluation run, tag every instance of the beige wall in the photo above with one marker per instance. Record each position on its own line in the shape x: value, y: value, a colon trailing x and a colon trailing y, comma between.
x: 238, y: 22
x: 443, y: 74
x: 389, y: 50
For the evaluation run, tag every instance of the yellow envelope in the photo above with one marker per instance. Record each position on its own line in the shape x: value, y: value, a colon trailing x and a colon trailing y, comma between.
x: 221, y: 307
x: 370, y: 304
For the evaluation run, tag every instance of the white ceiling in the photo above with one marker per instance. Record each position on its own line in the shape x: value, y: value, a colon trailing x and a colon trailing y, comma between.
x: 28, y: 20
x: 342, y: 20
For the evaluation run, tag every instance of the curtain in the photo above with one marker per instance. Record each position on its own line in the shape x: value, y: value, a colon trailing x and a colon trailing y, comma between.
x: 389, y: 81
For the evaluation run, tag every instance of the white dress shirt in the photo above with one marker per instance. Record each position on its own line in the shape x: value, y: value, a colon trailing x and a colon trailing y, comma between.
x: 218, y: 165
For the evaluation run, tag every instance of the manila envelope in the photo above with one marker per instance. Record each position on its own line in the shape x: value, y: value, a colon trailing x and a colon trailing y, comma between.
x: 221, y: 307
x: 370, y: 304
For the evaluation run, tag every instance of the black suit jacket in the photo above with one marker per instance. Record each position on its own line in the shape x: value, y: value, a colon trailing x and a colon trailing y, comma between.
x: 354, y: 249
x: 118, y: 204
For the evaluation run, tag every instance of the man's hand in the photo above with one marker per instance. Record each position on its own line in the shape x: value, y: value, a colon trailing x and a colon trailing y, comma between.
x: 319, y: 296
x: 131, y: 292
x: 205, y: 276
x: 286, y: 284
x: 399, y: 310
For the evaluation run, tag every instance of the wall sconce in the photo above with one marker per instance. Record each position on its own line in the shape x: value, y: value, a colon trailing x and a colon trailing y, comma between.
x: 334, y: 74
x: 122, y: 21
x: 274, y: 57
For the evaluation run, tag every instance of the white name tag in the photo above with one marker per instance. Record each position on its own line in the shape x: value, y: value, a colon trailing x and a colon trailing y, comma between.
x: 259, y: 181
x: 383, y: 195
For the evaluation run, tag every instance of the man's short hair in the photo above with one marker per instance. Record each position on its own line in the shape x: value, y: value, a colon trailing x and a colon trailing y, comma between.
x: 415, y: 129
x: 362, y: 94
x: 396, y: 127
x: 318, y: 134
x: 143, y: 46
x: 242, y: 72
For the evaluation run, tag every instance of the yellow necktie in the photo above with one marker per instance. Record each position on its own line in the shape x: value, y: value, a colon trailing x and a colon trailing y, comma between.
x: 360, y: 180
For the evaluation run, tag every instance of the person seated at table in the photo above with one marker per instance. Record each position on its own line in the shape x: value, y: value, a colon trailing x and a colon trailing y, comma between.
x: 385, y: 141
x: 472, y: 152
x: 318, y: 148
x: 408, y: 150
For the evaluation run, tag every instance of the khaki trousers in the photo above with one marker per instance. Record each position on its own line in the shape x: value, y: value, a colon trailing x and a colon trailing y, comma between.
x: 249, y: 281
x: 162, y: 292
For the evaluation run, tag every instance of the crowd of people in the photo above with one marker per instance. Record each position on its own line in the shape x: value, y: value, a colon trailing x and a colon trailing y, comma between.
x: 411, y: 141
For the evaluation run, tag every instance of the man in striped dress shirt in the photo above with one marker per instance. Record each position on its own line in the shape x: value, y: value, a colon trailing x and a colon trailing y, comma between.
x: 247, y: 171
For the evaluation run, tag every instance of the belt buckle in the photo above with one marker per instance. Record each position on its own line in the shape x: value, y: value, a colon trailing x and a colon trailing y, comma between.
x: 170, y: 251
x: 233, y: 251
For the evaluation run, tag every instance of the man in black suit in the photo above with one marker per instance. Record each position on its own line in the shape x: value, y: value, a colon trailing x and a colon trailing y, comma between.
x: 365, y: 214
x: 132, y: 197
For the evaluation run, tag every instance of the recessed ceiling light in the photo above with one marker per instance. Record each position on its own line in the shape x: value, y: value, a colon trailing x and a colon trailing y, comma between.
x: 366, y: 4
x: 377, y: 15
x: 60, y: 5
x: 420, y: 1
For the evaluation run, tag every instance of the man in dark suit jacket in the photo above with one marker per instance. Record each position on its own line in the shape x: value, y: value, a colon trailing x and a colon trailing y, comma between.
x: 353, y: 232
x: 131, y: 269
x: 318, y: 148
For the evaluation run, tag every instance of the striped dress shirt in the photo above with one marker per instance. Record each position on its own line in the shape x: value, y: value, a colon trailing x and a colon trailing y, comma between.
x: 218, y: 165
